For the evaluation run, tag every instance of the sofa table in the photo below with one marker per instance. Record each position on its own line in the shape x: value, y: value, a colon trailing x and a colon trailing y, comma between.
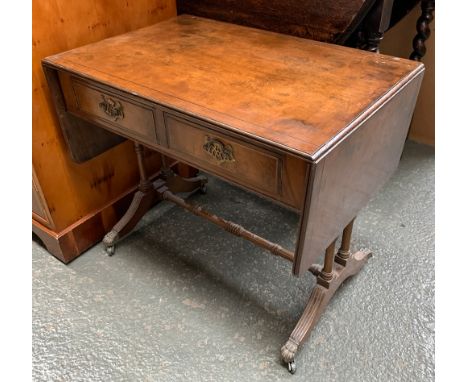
x: 317, y: 128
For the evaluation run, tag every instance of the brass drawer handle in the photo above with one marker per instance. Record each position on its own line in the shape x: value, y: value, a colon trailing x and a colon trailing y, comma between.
x: 218, y: 150
x: 111, y: 107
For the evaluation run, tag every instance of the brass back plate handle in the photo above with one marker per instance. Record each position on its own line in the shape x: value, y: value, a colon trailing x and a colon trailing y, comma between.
x: 218, y: 150
x: 111, y: 107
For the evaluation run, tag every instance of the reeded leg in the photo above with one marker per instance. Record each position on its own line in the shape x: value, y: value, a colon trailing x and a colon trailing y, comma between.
x: 141, y: 203
x: 146, y: 196
x: 332, y: 275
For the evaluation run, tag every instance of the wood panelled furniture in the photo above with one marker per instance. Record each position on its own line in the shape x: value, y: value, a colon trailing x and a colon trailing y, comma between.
x: 78, y: 195
x: 75, y: 204
x: 354, y: 23
x: 317, y: 128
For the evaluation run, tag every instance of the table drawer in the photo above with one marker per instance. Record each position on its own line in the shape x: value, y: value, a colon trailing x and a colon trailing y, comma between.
x: 124, y: 115
x: 225, y: 156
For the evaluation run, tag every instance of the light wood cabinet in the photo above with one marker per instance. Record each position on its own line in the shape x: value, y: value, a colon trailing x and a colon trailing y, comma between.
x: 75, y: 204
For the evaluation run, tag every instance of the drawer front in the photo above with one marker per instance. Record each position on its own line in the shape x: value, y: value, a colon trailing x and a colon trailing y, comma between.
x: 123, y: 115
x: 227, y: 157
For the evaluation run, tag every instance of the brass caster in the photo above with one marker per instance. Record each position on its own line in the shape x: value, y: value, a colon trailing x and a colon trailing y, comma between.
x: 292, y: 367
x: 110, y: 250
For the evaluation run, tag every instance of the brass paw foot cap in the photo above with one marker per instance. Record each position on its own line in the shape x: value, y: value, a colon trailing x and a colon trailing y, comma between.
x: 289, y: 350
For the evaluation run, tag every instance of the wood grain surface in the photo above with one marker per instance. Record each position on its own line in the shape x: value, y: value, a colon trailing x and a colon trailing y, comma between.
x: 329, y: 21
x: 343, y: 114
x: 350, y: 173
x: 72, y: 190
x: 293, y: 93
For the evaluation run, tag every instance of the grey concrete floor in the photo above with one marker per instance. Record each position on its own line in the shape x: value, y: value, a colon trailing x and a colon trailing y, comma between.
x: 182, y: 300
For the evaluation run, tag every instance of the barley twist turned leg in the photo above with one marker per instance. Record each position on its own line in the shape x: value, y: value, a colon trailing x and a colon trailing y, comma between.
x: 423, y: 29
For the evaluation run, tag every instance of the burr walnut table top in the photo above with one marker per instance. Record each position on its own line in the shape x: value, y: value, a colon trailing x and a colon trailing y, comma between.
x: 295, y: 94
x: 316, y: 127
